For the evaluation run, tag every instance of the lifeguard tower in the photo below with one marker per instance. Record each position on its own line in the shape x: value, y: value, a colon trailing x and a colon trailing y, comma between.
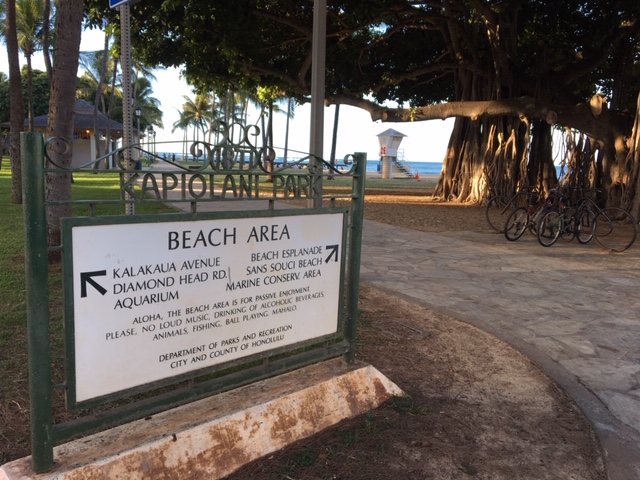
x: 389, y: 141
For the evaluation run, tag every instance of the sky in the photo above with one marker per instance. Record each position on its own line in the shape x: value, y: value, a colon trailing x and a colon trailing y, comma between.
x: 424, y: 142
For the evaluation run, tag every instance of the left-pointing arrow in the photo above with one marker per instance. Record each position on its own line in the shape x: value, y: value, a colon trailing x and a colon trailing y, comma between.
x: 87, y: 277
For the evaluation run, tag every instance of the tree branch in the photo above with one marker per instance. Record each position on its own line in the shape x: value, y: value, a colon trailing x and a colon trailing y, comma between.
x: 578, y: 116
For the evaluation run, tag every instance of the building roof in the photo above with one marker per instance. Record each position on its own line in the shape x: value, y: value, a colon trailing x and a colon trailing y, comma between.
x: 82, y: 120
x: 390, y: 132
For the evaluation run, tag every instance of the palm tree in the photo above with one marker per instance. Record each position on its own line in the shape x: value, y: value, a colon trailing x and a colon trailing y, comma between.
x: 92, y: 84
x: 290, y: 115
x: 270, y: 98
x: 47, y: 25
x: 334, y: 139
x: 212, y: 117
x: 98, y: 65
x: 29, y: 22
x: 196, y: 113
x: 63, y: 86
x: 149, y: 105
x: 183, y: 124
x: 16, y: 101
x: 98, y: 95
x: 140, y: 70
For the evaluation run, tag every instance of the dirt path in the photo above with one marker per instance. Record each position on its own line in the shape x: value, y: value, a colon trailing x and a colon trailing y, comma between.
x: 477, y: 409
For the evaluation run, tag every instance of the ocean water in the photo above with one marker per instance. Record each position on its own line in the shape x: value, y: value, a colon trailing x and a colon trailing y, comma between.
x: 423, y: 168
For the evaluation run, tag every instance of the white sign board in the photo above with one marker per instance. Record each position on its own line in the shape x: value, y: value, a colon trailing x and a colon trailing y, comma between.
x: 157, y: 300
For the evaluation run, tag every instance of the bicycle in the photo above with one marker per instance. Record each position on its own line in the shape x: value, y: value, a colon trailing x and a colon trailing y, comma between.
x: 524, y: 218
x: 500, y: 207
x: 568, y: 223
x: 613, y: 228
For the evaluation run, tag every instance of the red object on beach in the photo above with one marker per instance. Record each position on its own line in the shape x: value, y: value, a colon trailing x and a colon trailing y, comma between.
x: 417, y: 175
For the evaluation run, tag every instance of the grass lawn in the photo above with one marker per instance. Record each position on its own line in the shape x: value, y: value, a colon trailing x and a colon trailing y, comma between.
x: 14, y: 406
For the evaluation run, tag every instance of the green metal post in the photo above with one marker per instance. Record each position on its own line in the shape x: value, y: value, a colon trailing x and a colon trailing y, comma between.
x: 355, y: 251
x: 37, y: 285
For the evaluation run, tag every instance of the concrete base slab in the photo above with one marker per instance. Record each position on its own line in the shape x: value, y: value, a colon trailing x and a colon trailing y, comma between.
x: 215, y: 436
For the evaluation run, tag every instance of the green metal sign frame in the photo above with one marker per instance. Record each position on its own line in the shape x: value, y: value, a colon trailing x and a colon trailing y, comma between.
x: 227, y: 171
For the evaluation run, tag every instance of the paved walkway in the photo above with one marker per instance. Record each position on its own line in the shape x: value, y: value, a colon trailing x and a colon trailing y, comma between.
x: 573, y: 309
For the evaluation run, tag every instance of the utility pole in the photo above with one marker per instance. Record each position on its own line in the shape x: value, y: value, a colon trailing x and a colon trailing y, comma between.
x: 318, y: 62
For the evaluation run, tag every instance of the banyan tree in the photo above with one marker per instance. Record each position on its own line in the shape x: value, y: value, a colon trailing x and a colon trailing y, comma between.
x: 531, y: 83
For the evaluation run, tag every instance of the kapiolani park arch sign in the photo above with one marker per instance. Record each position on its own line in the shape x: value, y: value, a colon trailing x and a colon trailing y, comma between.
x: 163, y: 309
x: 212, y: 186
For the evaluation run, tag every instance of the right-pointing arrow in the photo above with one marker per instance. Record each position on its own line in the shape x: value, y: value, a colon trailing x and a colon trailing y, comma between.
x: 333, y: 249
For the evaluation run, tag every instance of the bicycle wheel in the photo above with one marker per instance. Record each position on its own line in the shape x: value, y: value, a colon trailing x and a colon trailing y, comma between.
x: 498, y: 210
x: 615, y: 229
x: 550, y: 227
x: 516, y: 224
x: 585, y: 225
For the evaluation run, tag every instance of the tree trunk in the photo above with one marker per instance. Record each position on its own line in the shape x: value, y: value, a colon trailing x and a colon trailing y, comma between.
x: 107, y: 134
x: 334, y: 136
x: 96, y: 101
x: 286, y: 132
x: 541, y: 170
x: 212, y: 116
x: 485, y: 157
x: 634, y: 159
x: 16, y: 102
x: 268, y: 147
x: 616, y: 181
x: 30, y: 93
x: 61, y: 104
x: 46, y: 19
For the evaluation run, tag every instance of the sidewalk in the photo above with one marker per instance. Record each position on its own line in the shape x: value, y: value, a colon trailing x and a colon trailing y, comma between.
x: 573, y: 309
